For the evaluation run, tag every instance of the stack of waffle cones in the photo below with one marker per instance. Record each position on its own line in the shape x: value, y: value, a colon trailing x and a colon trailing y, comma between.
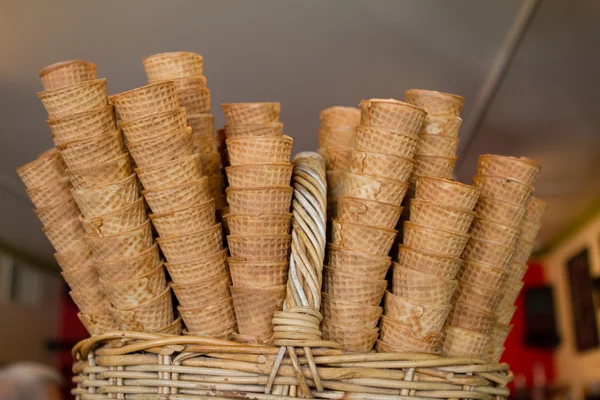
x: 490, y: 279
x: 368, y: 210
x: 424, y: 276
x: 259, y: 197
x: 336, y: 142
x: 84, y: 131
x: 177, y: 191
x: 185, y: 69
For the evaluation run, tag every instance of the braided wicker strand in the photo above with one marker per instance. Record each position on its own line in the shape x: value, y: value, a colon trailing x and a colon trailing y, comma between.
x: 299, y: 324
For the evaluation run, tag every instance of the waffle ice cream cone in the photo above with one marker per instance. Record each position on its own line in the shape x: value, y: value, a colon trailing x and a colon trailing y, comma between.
x: 485, y: 299
x: 162, y: 148
x: 434, y: 240
x: 335, y: 183
x: 340, y: 116
x: 152, y: 125
x: 57, y: 214
x: 259, y: 150
x: 500, y: 333
x: 436, y: 216
x: 251, y: 113
x: 127, y: 268
x: 447, y: 193
x: 486, y: 252
x: 202, y: 292
x: 171, y: 173
x: 198, y: 269
x: 436, y: 103
x: 94, y: 150
x: 516, y: 271
x: 91, y: 300
x: 505, y: 313
x: 345, y: 259
x: 51, y: 193
x: 255, y: 307
x: 438, y: 167
x: 522, y: 252
x: 344, y: 137
x: 494, y: 232
x: 529, y: 231
x: 460, y: 342
x: 83, y: 125
x: 204, y: 145
x: 122, y: 245
x: 355, y: 314
x: 74, y: 98
x: 338, y: 157
x: 263, y: 200
x: 195, y: 101
x: 352, y: 338
x: 173, y: 65
x: 469, y: 317
x: 401, y: 336
x: 150, y: 99
x: 417, y: 287
x: 376, y: 241
x: 264, y: 224
x: 535, y: 210
x: 102, y: 174
x: 511, y: 290
x: 41, y: 170
x: 367, y: 212
x: 148, y: 317
x: 429, y: 263
x: 82, y: 279
x: 66, y: 73
x: 392, y: 114
x: 192, y: 246
x: 500, y: 211
x: 178, y: 197
x: 274, y: 129
x: 185, y: 221
x: 189, y: 83
x: 258, y: 273
x: 174, y: 328
x: 64, y: 235
x: 373, y: 188
x: 437, y: 146
x: 251, y: 176
x: 98, y: 323
x: 259, y: 248
x: 114, y: 222
x: 125, y: 294
x: 443, y: 125
x: 381, y: 165
x: 201, y: 124
x: 97, y: 201
x: 77, y: 256
x: 376, y: 140
x: 520, y: 169
x: 423, y: 319
x: 503, y: 189
x: 483, y: 275
x: 363, y: 290
x: 216, y: 320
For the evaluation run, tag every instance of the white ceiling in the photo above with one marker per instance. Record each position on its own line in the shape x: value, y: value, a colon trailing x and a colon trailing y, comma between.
x: 312, y: 54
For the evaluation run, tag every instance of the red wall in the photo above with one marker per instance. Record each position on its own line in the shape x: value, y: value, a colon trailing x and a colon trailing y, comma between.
x: 521, y: 358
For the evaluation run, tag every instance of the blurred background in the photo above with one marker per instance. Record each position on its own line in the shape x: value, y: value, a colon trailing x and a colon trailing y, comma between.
x: 528, y: 71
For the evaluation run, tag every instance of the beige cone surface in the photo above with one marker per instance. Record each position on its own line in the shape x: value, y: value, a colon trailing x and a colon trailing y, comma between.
x: 74, y: 98
x: 494, y: 232
x: 486, y: 252
x: 375, y: 140
x: 372, y: 188
x: 204, y: 145
x: 258, y: 273
x: 437, y: 216
x: 521, y: 169
x: 340, y: 116
x: 392, y: 114
x: 83, y: 125
x: 503, y: 189
x: 421, y: 290
x: 447, y: 193
x: 51, y: 193
x: 500, y: 333
x: 97, y: 324
x: 148, y: 317
x: 272, y: 200
x: 128, y: 268
x: 381, y: 165
x: 259, y: 150
x: 335, y: 183
x: 201, y: 124
x: 254, y: 309
x: 185, y: 221
x: 77, y: 256
x: 66, y: 73
x: 274, y: 129
x: 485, y: 299
x: 134, y: 292
x: 437, y: 145
x: 500, y: 211
x: 434, y: 240
x: 41, y: 170
x: 400, y: 335
x: 94, y: 150
x: 264, y: 224
x: 511, y: 290
x: 215, y: 320
x: 367, y: 212
x: 438, y: 167
x: 122, y: 245
x: 117, y: 221
x: 64, y: 235
x: 376, y: 241
x: 529, y: 230
x: 516, y: 271
x: 365, y: 291
x: 174, y: 328
x: 94, y: 202
x: 150, y: 99
x: 202, y: 292
x: 198, y: 269
x: 350, y: 259
x: 57, y: 214
x: 163, y: 148
x: 522, y: 252
x: 82, y: 279
x: 504, y: 313
x: 429, y: 263
x: 422, y: 318
x: 352, y: 338
x: 334, y: 137
x: 102, y: 174
x: 443, y: 125
x: 251, y: 113
x: 152, y: 125
x: 259, y: 247
x: 336, y: 309
x: 464, y: 343
x: 173, y: 65
x: 178, y: 197
x: 483, y: 275
x: 467, y: 316
x: 192, y: 246
x: 436, y: 103
x: 251, y: 176
x: 195, y: 101
x: 536, y: 208
x: 90, y: 300
x: 172, y: 173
